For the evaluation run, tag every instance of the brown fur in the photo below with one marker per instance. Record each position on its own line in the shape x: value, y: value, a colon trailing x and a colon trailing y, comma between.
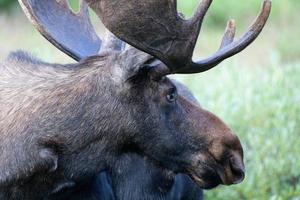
x: 61, y: 125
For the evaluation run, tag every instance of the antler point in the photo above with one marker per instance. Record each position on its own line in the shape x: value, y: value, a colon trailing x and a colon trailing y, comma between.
x: 231, y: 23
x: 267, y: 4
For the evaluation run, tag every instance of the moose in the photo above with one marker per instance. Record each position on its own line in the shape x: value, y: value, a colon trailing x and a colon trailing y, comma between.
x: 61, y: 125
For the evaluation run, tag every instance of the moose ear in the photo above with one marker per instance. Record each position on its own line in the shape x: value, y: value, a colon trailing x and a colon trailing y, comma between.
x: 130, y: 63
x: 25, y: 162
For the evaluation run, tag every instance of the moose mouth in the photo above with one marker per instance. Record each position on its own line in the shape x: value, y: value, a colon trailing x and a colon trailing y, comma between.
x: 208, y: 179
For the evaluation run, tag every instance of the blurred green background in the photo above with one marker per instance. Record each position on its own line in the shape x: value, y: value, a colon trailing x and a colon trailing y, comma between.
x: 256, y: 92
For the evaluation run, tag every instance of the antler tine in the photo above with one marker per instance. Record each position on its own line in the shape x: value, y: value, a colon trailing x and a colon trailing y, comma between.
x: 229, y: 34
x: 196, y: 22
x: 70, y: 32
x: 235, y: 47
x: 201, y: 11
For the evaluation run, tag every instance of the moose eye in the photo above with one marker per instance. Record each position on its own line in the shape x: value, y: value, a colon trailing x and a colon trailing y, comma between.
x: 172, y: 95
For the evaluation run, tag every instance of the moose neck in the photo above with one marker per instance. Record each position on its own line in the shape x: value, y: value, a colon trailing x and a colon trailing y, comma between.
x: 99, y: 124
x: 68, y: 125
x: 136, y: 177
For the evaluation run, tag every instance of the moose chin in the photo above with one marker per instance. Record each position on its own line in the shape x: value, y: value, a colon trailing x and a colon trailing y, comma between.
x: 61, y: 125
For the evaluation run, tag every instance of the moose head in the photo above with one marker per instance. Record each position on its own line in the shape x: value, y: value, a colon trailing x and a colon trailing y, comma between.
x: 118, y: 98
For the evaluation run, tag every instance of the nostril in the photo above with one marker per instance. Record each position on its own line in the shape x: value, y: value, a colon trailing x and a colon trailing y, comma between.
x: 238, y: 175
x: 238, y: 170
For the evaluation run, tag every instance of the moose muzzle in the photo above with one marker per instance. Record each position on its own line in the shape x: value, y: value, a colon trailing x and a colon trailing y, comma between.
x: 224, y: 167
x: 220, y: 159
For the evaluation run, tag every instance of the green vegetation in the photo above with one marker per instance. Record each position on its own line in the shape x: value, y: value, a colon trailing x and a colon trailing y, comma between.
x: 257, y: 92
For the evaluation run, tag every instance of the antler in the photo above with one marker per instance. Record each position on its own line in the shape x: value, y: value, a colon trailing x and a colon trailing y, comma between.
x: 154, y: 26
x: 70, y: 32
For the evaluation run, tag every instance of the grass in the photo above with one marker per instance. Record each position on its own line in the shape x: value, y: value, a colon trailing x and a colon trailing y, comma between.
x: 257, y: 93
